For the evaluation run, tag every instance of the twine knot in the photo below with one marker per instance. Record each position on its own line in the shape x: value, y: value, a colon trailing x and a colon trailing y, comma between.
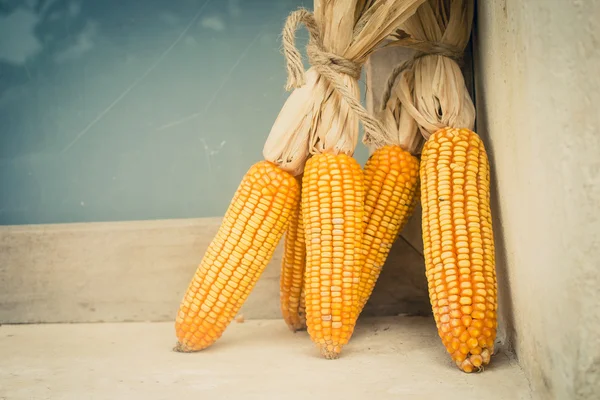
x: 318, y: 57
x: 325, y: 62
x: 329, y: 65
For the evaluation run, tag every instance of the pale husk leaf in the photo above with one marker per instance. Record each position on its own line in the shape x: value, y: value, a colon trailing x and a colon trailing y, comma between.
x: 433, y: 91
x: 287, y: 144
x: 403, y: 129
x: 385, y: 18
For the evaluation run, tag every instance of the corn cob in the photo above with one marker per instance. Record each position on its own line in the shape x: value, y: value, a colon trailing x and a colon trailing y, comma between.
x: 459, y: 245
x: 332, y: 210
x: 291, y: 281
x: 391, y: 182
x: 302, y: 306
x: 252, y: 226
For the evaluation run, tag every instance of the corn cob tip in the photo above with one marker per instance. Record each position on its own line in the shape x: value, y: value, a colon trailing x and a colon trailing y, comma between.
x: 296, y: 326
x: 330, y: 352
x: 182, y: 348
x: 473, y: 354
x: 475, y: 362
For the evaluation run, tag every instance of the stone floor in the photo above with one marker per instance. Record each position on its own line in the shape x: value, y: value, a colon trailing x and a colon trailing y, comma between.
x: 388, y: 358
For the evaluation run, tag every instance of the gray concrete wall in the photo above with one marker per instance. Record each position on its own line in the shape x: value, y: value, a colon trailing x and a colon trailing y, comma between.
x: 538, y: 96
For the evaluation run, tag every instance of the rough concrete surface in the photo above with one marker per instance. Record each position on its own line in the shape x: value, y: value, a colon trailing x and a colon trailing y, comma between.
x: 139, y: 271
x: 388, y: 358
x: 538, y: 91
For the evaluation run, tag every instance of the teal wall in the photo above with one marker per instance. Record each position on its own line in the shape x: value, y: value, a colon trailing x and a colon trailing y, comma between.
x: 130, y: 110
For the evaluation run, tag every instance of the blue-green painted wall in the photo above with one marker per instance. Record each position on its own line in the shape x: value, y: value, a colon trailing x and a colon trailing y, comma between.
x: 130, y: 110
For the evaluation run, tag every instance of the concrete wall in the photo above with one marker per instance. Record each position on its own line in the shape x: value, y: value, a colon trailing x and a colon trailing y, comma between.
x: 538, y: 97
x: 139, y: 270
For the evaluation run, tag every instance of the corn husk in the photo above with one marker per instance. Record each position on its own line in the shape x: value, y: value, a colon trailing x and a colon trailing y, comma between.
x: 399, y: 124
x: 431, y: 93
x: 315, y: 118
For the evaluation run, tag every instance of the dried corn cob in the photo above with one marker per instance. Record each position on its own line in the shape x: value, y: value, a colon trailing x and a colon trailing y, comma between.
x: 253, y: 225
x: 302, y: 306
x: 332, y: 210
x: 391, y: 182
x: 459, y: 245
x: 291, y: 280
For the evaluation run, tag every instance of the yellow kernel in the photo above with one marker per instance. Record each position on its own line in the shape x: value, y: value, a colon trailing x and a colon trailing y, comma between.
x: 465, y: 301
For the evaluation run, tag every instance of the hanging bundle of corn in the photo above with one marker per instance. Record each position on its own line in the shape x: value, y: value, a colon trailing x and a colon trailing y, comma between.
x: 454, y: 176
x: 325, y: 108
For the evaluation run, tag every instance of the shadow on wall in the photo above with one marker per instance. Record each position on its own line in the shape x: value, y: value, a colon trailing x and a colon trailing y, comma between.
x: 127, y: 110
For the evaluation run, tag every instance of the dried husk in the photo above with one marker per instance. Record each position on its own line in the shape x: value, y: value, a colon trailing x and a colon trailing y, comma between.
x: 315, y: 118
x: 431, y: 93
x: 399, y: 124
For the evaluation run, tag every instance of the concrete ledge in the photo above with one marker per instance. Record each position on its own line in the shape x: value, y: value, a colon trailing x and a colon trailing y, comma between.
x: 139, y: 270
x: 387, y: 358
